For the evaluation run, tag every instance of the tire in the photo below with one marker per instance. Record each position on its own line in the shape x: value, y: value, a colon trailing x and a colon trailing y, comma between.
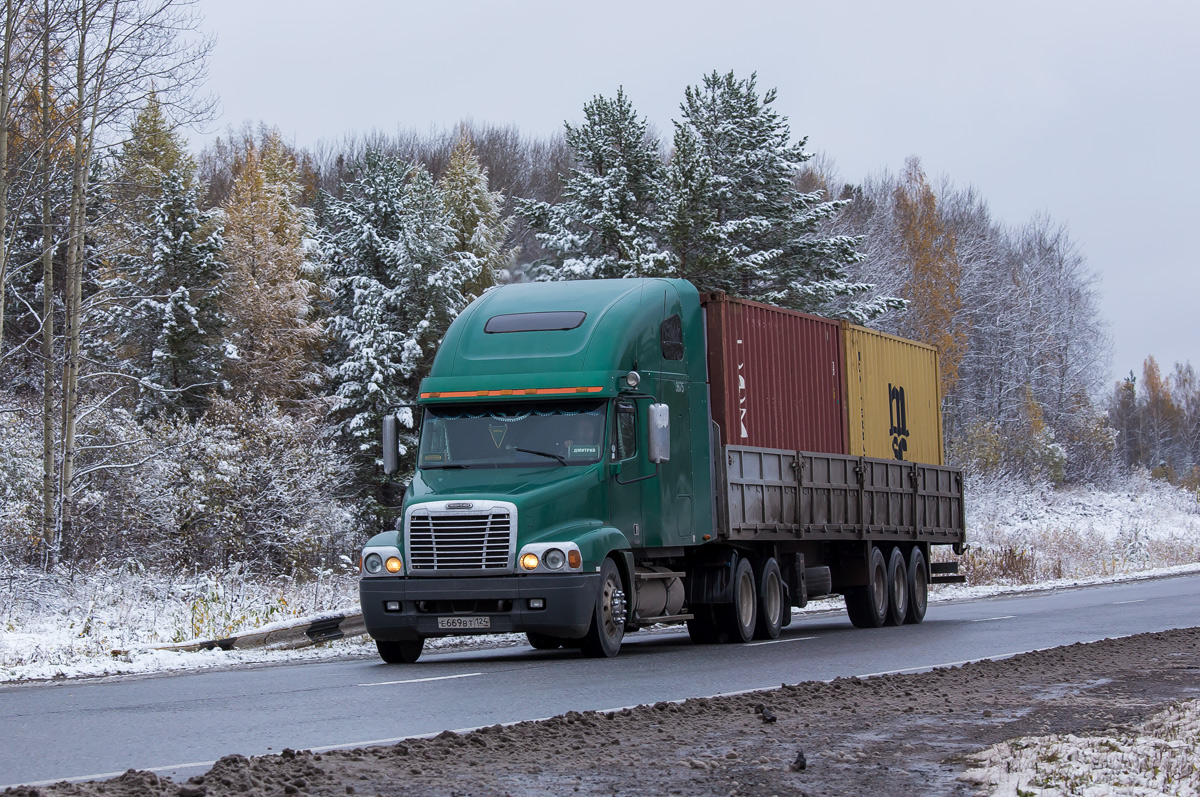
x: 897, y: 588
x: 868, y: 605
x: 543, y: 641
x: 736, y: 621
x: 771, y: 597
x: 405, y: 652
x: 603, y: 640
x: 702, y: 628
x: 918, y: 586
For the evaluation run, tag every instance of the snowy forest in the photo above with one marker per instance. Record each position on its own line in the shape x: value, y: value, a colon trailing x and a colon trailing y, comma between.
x: 197, y: 347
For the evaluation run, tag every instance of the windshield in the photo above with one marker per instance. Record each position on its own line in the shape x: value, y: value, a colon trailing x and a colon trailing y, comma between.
x: 514, y: 435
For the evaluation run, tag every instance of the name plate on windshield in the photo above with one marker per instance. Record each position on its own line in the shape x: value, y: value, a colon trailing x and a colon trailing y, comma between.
x: 464, y: 622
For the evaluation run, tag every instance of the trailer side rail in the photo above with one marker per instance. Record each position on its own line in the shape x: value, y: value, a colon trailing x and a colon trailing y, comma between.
x: 798, y: 495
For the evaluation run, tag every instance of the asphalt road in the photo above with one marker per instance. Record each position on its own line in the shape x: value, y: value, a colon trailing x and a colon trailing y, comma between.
x: 178, y: 725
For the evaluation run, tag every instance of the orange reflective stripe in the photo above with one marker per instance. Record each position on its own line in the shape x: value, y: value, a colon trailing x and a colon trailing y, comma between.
x: 533, y: 391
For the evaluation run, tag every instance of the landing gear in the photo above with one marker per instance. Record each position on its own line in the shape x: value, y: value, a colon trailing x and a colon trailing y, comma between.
x: 405, y: 652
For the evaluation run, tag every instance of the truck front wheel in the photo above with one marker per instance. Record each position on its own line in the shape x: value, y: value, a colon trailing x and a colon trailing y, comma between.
x: 405, y: 652
x: 543, y: 641
x: 603, y: 639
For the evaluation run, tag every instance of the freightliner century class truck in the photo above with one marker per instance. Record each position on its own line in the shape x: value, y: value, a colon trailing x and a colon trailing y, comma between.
x: 601, y: 456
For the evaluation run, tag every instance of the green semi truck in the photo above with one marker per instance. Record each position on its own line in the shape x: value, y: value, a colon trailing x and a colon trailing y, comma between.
x: 601, y: 456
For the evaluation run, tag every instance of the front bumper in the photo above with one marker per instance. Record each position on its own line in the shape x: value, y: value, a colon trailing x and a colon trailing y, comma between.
x: 569, y: 602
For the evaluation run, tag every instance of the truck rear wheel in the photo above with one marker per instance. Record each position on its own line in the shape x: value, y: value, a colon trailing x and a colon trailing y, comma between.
x: 770, y: 601
x: 897, y: 588
x: 543, y: 641
x: 405, y: 652
x: 918, y: 586
x: 702, y: 628
x: 603, y: 639
x: 868, y: 605
x: 736, y: 621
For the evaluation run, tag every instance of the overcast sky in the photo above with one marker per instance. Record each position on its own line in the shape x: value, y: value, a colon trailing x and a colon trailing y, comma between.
x: 1086, y: 111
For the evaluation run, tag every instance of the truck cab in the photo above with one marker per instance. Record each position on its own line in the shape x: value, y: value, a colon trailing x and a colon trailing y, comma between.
x: 563, y: 427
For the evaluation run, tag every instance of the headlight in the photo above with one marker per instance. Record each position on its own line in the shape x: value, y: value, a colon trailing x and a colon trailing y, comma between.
x: 550, y: 557
x: 554, y: 559
x: 373, y: 563
x: 393, y: 564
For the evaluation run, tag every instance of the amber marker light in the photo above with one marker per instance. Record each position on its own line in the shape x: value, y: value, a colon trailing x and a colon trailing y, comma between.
x: 393, y: 564
x: 574, y: 560
x: 529, y: 561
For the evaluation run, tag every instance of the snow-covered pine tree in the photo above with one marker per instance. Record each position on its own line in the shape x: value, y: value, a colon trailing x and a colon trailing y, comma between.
x: 603, y: 225
x: 735, y: 215
x: 273, y: 323
x: 153, y: 150
x: 168, y: 321
x: 474, y: 213
x: 396, y: 285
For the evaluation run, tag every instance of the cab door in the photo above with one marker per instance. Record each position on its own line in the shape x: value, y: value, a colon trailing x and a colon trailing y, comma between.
x: 631, y: 476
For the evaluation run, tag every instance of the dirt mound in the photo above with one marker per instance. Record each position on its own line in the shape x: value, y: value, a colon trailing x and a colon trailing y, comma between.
x: 895, y: 734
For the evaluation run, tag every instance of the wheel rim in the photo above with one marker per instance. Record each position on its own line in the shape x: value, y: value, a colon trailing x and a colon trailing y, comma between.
x: 880, y: 580
x: 745, y: 599
x: 612, y: 607
x: 921, y: 592
x: 774, y: 607
x: 901, y: 594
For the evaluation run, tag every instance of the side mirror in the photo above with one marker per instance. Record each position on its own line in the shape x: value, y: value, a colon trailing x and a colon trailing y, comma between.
x: 660, y: 433
x: 391, y: 444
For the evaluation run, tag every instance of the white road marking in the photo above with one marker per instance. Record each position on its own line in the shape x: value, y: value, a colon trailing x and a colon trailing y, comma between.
x: 424, y: 680
x: 989, y: 619
x: 1139, y: 600
x: 777, y: 641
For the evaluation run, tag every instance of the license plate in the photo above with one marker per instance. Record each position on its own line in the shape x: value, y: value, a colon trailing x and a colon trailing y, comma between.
x: 464, y: 622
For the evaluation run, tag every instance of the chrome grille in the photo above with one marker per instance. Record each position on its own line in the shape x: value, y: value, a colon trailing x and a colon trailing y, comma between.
x: 475, y: 541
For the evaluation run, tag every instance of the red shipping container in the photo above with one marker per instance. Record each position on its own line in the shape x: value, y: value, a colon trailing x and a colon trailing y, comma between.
x: 775, y: 376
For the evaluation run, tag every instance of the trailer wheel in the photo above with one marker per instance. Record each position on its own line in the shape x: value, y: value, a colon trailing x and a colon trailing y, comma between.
x: 702, y: 628
x: 603, y: 640
x: 868, y: 605
x: 918, y: 586
x: 543, y: 641
x: 897, y: 588
x: 405, y: 652
x: 736, y: 621
x: 771, y: 597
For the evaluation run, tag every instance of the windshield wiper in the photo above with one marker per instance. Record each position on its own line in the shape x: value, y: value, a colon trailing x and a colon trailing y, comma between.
x: 561, y: 460
x: 443, y: 467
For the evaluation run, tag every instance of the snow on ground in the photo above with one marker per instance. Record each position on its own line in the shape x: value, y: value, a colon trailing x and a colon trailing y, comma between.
x: 67, y: 625
x: 1159, y: 757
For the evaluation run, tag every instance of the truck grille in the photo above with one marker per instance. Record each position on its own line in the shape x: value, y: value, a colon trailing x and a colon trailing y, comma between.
x: 479, y: 541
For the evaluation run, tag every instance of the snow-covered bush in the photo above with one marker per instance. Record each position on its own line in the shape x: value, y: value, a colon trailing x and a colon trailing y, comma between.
x: 1018, y: 535
x: 245, y: 484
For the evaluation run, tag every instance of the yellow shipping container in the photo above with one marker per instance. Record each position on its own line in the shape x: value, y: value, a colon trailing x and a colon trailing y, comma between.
x: 892, y: 397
